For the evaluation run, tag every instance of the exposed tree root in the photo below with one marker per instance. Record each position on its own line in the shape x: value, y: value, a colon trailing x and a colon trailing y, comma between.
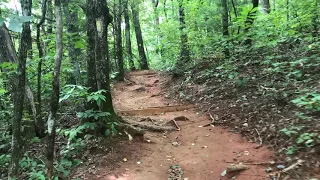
x: 135, y: 128
x: 136, y: 125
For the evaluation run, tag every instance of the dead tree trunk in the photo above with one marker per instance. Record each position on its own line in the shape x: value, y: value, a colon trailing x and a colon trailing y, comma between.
x: 54, y: 102
x: 136, y: 22
x: 128, y: 36
x: 19, y: 91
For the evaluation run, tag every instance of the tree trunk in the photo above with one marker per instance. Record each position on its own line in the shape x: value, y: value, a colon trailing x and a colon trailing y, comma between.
x: 54, y: 102
x: 8, y: 54
x: 39, y: 124
x: 128, y: 36
x: 114, y: 33
x: 119, y: 52
x: 225, y: 24
x: 91, y: 59
x: 19, y: 91
x: 184, y: 49
x: 266, y: 6
x: 72, y: 29
x: 136, y: 22
x: 102, y: 20
x: 50, y: 17
x: 157, y: 23
x: 249, y: 21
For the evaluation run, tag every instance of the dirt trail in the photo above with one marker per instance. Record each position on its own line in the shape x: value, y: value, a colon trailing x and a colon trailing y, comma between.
x: 202, y: 152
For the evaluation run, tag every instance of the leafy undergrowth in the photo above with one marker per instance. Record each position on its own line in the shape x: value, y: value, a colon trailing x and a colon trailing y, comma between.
x: 76, y: 154
x: 78, y: 145
x: 270, y: 98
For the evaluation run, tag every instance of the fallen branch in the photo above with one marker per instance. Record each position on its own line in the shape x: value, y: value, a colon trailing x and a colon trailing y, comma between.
x: 260, y: 139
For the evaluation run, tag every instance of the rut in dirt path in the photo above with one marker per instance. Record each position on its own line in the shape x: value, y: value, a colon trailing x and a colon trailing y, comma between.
x: 203, y: 153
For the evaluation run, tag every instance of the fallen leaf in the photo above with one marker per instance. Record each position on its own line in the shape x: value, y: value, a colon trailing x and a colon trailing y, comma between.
x: 224, y: 173
x: 246, y: 153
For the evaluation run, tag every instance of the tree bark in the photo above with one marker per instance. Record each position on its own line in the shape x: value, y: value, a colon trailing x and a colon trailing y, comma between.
x: 39, y: 124
x: 136, y: 21
x: 19, y: 91
x: 102, y: 20
x: 184, y: 49
x: 225, y: 24
x: 8, y: 54
x: 266, y: 6
x: 157, y: 23
x: 91, y: 59
x: 54, y: 102
x: 50, y: 17
x: 119, y: 52
x: 128, y: 36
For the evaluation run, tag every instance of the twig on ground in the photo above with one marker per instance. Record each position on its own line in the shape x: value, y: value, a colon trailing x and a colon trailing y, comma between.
x: 299, y: 162
x: 177, y: 125
x: 260, y: 139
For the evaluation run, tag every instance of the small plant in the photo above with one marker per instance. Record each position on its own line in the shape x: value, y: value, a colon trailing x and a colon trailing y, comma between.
x: 302, y: 140
x: 92, y: 114
x: 309, y: 101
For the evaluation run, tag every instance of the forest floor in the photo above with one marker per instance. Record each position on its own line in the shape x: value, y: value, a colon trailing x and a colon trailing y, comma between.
x: 192, y: 153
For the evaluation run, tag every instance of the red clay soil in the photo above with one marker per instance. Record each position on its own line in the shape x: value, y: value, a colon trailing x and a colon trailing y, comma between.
x: 202, y: 152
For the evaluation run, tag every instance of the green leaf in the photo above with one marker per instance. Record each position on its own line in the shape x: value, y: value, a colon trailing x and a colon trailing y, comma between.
x: 24, y: 19
x: 107, y: 132
x: 79, y: 44
x: 15, y: 25
x: 66, y: 173
x: 1, y: 21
